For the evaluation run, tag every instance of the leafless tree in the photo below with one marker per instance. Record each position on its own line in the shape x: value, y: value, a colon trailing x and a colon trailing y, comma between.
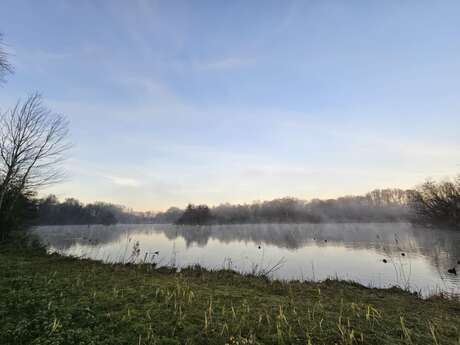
x: 438, y: 202
x: 5, y: 66
x: 33, y: 143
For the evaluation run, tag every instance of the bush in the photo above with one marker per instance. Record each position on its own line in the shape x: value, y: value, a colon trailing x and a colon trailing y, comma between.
x: 19, y: 210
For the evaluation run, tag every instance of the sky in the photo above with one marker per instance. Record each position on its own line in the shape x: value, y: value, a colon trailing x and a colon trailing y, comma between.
x: 172, y: 102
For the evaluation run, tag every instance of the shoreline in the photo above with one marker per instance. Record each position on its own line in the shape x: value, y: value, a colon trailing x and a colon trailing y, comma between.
x: 48, y: 297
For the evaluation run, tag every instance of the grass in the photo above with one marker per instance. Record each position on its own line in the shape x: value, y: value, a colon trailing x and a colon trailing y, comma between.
x: 49, y: 299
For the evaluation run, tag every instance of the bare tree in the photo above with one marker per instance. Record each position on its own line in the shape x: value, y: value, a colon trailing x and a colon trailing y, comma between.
x: 33, y: 143
x: 438, y: 202
x: 5, y: 66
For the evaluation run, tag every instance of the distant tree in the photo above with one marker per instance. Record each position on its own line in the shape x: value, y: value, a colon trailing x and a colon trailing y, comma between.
x: 73, y: 212
x: 108, y: 218
x: 101, y: 213
x: 171, y: 215
x: 33, y: 143
x: 195, y: 215
x: 5, y: 66
x: 48, y: 209
x: 438, y: 203
x: 388, y: 196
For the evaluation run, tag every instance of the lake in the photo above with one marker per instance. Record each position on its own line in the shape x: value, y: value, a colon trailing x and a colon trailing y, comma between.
x: 416, y: 258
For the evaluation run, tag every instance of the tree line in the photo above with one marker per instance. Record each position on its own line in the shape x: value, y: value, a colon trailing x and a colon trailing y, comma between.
x: 431, y: 204
x: 387, y: 205
x: 49, y: 211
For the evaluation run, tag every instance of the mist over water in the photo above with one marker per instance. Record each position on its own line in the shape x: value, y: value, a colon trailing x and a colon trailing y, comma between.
x: 416, y: 258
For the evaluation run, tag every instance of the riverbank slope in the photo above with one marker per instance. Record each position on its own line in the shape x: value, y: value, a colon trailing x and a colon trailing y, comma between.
x: 49, y: 299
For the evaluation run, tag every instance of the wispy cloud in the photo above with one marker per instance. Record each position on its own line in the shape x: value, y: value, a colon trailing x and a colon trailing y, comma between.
x: 225, y: 63
x: 123, y: 181
x: 84, y: 168
x: 81, y: 168
x: 149, y: 86
x: 38, y: 59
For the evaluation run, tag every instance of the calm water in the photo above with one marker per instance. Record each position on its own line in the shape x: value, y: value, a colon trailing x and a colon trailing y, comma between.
x: 417, y: 258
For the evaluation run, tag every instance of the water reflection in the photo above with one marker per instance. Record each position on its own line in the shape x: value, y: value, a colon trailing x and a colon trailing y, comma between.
x: 417, y: 258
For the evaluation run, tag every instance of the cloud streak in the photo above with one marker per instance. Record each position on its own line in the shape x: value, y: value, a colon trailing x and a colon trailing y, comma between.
x: 123, y: 181
x: 228, y: 63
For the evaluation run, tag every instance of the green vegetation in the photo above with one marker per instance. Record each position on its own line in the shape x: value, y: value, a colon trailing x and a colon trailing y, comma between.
x: 49, y: 299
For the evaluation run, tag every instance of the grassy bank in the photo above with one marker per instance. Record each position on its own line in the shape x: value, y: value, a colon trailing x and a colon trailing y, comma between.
x: 48, y: 299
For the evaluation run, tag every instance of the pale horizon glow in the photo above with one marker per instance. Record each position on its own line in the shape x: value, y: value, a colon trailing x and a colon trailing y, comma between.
x: 172, y: 102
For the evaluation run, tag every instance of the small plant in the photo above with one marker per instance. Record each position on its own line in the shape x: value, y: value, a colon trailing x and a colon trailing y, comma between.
x: 135, y: 253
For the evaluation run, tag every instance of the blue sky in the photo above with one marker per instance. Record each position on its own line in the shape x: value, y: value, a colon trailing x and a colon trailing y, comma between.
x: 173, y: 102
